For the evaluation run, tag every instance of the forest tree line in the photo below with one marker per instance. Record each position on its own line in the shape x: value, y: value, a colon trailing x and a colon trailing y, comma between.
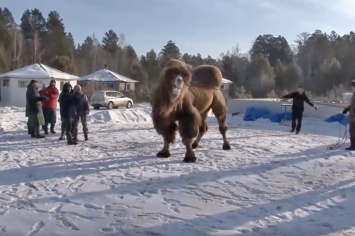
x: 322, y: 63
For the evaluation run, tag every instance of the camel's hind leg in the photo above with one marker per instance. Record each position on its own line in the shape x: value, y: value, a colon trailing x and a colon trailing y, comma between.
x: 202, y: 130
x: 219, y: 109
x: 169, y: 138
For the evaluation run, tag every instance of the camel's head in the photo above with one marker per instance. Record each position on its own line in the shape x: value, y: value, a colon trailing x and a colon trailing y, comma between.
x: 177, y: 75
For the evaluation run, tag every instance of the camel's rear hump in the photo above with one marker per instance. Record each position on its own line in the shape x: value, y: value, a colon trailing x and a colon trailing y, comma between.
x: 207, y: 76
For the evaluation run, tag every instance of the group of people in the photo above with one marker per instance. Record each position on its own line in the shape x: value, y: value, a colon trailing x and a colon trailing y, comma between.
x: 41, y: 110
x: 299, y: 98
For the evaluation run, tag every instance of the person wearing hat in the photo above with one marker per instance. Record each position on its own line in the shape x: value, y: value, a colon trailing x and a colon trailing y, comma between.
x: 50, y: 106
x: 298, y: 99
x: 351, y: 110
x: 83, y: 109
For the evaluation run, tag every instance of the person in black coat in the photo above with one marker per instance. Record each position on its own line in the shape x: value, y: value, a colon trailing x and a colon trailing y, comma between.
x: 298, y: 99
x: 62, y: 127
x: 34, y: 109
x: 68, y: 104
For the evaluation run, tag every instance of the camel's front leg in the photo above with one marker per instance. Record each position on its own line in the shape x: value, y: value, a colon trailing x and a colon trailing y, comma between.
x: 189, y: 129
x: 165, y: 151
x: 190, y: 156
x: 169, y: 138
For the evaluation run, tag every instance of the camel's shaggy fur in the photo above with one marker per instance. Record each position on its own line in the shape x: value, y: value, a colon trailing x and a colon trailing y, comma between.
x: 186, y: 95
x: 206, y: 76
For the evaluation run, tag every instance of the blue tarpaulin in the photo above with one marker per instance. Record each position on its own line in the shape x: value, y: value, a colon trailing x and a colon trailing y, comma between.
x: 279, y: 116
x: 254, y: 113
x: 341, y: 118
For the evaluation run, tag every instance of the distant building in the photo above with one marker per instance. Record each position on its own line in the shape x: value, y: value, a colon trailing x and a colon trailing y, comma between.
x: 13, y: 84
x: 225, y: 87
x: 347, y: 97
x: 107, y: 80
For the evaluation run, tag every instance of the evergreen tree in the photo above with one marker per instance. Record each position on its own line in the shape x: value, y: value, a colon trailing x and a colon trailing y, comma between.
x: 170, y: 51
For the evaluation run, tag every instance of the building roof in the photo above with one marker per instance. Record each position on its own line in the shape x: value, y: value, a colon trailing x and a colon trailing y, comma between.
x: 226, y: 81
x: 106, y: 75
x: 348, y: 94
x: 38, y: 71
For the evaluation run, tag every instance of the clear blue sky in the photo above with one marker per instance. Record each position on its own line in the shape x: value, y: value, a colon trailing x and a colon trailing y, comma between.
x: 205, y: 26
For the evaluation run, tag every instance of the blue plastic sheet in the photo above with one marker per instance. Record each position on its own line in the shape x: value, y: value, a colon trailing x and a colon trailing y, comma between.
x: 254, y: 113
x: 340, y: 118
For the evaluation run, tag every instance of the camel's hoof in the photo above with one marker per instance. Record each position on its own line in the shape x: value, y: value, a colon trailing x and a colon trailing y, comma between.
x: 190, y: 159
x: 226, y: 146
x: 162, y: 154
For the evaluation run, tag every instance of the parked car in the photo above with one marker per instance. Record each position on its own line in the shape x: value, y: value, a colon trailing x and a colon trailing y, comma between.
x: 110, y: 100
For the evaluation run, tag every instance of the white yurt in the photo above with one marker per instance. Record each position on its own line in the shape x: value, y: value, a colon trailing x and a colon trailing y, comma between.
x: 13, y: 84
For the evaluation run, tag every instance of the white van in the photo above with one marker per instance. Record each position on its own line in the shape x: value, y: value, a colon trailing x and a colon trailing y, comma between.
x: 110, y: 100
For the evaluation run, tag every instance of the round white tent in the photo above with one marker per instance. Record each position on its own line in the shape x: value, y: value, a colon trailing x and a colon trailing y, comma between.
x: 107, y: 79
x: 226, y: 81
x: 14, y: 83
x: 106, y: 75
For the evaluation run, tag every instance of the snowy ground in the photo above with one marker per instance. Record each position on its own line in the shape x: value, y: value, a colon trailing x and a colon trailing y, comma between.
x: 270, y: 183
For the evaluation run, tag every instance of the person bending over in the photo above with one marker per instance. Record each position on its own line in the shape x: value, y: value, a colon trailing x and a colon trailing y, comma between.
x: 298, y: 99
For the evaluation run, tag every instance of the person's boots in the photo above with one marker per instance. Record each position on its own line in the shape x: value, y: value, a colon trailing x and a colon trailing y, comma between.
x: 52, y: 129
x: 86, y: 137
x: 61, y: 135
x: 37, y: 133
x: 45, y: 129
x: 352, y: 145
x: 70, y: 140
x: 32, y: 133
x: 75, y: 137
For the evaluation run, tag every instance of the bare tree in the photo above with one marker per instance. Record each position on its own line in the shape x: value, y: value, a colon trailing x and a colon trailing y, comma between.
x: 302, y: 39
x: 96, y: 45
x: 36, y: 46
x: 236, y: 51
x: 17, y: 46
x: 122, y: 41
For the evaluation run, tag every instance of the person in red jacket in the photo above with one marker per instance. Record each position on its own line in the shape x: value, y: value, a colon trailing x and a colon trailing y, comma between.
x: 50, y: 106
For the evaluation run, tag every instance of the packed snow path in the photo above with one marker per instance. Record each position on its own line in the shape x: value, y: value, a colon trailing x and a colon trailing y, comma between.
x: 270, y: 183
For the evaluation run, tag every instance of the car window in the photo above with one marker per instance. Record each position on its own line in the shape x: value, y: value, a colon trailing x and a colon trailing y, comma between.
x: 95, y: 96
x: 110, y: 94
x: 114, y: 94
